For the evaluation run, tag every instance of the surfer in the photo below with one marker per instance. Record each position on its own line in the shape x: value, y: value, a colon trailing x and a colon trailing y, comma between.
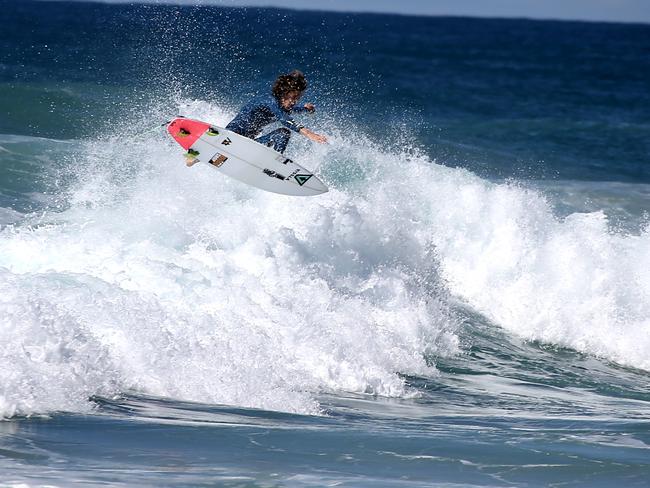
x: 276, y: 107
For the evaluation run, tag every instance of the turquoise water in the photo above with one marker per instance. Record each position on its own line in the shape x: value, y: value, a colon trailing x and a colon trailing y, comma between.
x: 467, y: 306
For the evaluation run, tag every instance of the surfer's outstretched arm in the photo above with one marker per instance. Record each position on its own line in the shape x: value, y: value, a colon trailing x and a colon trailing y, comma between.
x: 313, y: 136
x: 285, y: 119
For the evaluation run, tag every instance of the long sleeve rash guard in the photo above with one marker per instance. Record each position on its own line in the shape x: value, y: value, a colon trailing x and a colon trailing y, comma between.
x: 260, y: 112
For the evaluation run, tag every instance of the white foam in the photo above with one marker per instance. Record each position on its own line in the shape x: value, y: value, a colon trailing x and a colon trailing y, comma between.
x: 180, y: 282
x: 571, y: 281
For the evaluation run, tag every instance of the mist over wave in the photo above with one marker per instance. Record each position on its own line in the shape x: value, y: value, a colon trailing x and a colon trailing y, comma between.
x: 183, y: 283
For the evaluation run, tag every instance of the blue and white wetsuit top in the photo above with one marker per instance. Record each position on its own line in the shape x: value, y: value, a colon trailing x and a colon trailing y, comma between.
x: 260, y: 112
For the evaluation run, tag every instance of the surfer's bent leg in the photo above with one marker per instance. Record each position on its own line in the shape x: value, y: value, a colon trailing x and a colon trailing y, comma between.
x: 278, y: 139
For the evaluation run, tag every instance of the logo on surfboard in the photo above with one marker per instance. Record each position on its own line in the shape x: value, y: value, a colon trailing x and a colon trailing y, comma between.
x: 226, y: 141
x: 302, y: 179
x: 273, y: 174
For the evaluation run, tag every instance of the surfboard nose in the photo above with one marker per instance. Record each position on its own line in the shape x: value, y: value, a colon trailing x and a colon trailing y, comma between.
x: 186, y: 131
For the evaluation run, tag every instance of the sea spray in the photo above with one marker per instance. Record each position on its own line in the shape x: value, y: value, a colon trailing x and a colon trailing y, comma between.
x: 182, y: 283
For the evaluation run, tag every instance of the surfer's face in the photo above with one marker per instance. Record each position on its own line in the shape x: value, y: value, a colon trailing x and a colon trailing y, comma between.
x: 290, y: 99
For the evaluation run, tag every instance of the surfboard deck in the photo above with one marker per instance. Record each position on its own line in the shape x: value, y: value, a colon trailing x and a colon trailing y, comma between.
x: 244, y: 159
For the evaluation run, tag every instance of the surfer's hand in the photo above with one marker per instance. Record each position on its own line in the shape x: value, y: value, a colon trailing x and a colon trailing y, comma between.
x: 319, y: 138
x: 313, y: 136
x: 310, y: 107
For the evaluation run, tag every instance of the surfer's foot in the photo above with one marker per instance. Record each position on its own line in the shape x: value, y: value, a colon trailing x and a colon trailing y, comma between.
x: 190, y: 161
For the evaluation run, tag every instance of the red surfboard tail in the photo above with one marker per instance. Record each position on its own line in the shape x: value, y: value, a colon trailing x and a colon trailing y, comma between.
x: 186, y: 131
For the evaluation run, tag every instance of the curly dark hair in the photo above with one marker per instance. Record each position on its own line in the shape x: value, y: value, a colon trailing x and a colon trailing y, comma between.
x: 294, y: 81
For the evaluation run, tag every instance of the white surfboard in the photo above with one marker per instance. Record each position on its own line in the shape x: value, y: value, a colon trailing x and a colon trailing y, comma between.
x: 244, y: 159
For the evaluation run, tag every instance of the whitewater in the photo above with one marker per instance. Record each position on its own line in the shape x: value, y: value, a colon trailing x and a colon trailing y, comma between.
x: 148, y: 277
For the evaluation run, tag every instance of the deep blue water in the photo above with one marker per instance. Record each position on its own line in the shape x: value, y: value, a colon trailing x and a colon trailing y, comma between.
x: 467, y: 306
x: 564, y: 100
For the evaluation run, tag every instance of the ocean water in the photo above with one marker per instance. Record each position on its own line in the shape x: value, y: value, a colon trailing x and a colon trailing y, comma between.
x: 469, y: 304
